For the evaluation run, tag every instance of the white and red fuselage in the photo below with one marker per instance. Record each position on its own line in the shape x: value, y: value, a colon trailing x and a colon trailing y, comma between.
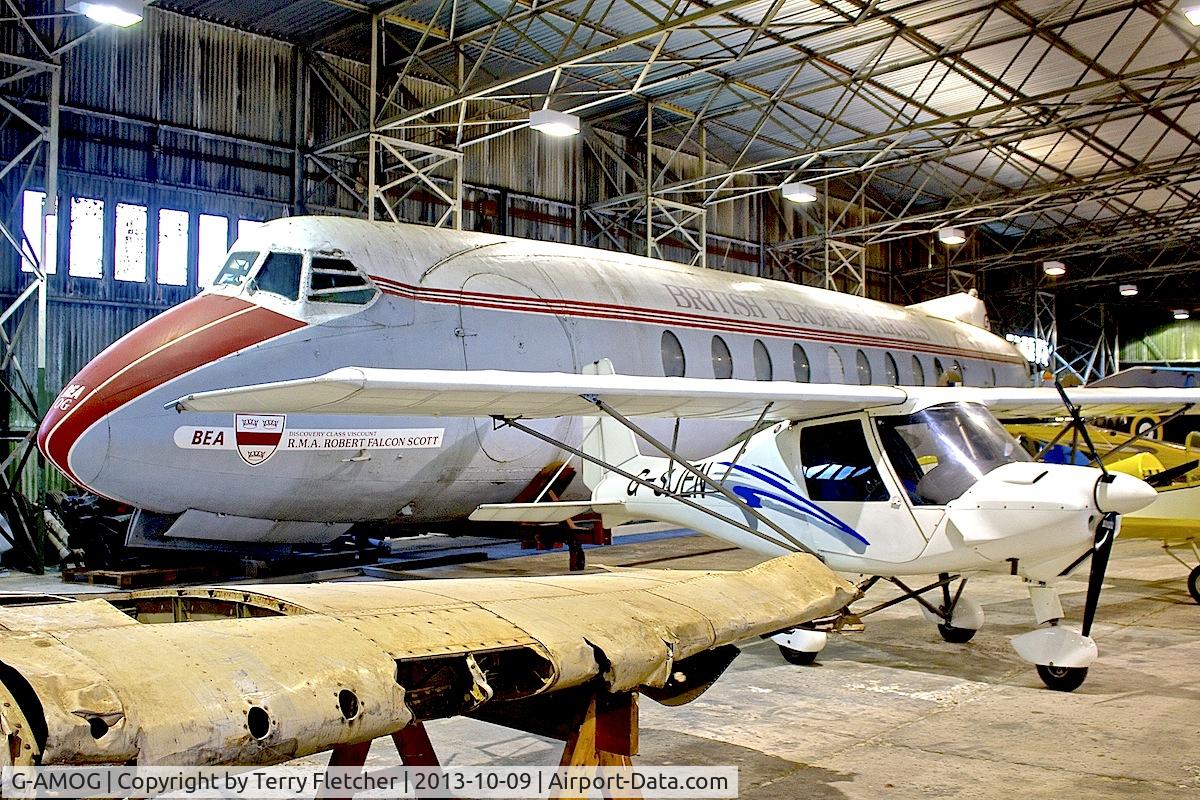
x: 441, y: 299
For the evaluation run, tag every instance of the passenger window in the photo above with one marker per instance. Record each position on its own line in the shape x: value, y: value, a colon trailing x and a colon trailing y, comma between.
x: 891, y: 372
x: 864, y: 368
x: 994, y: 377
x: 800, y: 366
x: 674, y: 363
x: 838, y: 465
x: 938, y: 371
x: 721, y: 359
x: 236, y: 268
x: 837, y: 373
x: 763, y: 370
x: 918, y: 372
x: 279, y: 275
x: 336, y: 280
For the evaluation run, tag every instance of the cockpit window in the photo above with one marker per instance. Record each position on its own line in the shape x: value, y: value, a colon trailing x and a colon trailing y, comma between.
x: 280, y: 274
x: 838, y: 465
x: 940, y: 452
x: 236, y: 268
x: 336, y: 280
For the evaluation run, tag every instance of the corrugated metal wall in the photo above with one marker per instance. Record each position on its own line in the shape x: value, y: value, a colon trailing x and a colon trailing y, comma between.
x: 1176, y: 344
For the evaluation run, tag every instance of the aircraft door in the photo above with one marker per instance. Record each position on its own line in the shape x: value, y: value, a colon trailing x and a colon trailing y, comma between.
x: 495, y: 336
x: 843, y: 471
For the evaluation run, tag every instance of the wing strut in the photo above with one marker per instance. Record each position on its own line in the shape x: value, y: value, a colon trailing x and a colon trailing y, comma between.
x: 685, y: 464
x: 687, y: 501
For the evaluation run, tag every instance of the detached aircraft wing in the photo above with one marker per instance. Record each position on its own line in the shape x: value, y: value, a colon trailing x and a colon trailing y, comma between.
x: 534, y: 395
x: 263, y: 674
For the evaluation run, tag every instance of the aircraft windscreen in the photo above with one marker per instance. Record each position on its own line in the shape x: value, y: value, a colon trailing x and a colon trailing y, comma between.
x: 940, y: 452
x: 280, y: 275
x: 236, y: 268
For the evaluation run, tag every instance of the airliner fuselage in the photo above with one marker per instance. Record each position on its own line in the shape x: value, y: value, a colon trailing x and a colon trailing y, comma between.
x: 305, y: 295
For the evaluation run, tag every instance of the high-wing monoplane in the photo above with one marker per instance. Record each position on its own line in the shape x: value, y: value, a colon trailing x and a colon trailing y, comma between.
x: 887, y: 482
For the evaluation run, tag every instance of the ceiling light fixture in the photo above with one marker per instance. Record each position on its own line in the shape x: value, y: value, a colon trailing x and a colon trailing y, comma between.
x: 554, y: 123
x: 1181, y: 313
x: 952, y: 236
x: 1128, y: 289
x: 1193, y: 15
x: 798, y: 192
x: 121, y: 13
x: 1054, y: 269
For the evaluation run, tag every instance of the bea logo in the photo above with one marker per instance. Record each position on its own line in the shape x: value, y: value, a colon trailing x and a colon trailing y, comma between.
x: 69, y: 395
x: 208, y: 438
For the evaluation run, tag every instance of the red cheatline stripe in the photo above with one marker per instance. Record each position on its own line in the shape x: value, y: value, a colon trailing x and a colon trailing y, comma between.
x: 591, y: 310
x: 168, y: 347
x: 251, y: 437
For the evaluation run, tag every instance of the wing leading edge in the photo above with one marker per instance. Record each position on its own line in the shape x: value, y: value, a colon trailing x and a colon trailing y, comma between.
x: 534, y: 395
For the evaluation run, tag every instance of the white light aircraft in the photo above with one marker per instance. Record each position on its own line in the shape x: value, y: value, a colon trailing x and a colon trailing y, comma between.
x: 881, y: 481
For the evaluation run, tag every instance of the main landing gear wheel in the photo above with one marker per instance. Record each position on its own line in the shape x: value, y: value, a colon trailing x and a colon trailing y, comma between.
x: 797, y: 657
x: 1062, y: 679
x: 1194, y: 584
x: 956, y: 635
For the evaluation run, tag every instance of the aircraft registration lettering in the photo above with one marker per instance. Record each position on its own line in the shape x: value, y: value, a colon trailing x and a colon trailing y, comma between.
x: 193, y: 437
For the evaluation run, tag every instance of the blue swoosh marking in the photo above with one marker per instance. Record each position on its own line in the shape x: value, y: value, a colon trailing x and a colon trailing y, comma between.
x: 798, y: 502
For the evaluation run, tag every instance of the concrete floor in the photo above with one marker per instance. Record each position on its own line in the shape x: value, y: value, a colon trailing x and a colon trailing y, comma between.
x: 894, y: 712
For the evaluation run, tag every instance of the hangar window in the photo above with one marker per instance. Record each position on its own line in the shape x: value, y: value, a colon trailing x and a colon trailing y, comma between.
x: 214, y: 243
x: 837, y: 373
x: 236, y: 268
x: 838, y: 465
x: 31, y: 225
x: 800, y: 365
x: 86, y: 251
x: 863, y: 365
x: 279, y: 275
x: 763, y: 370
x: 336, y: 280
x: 918, y: 372
x: 172, y: 269
x: 673, y: 361
x: 891, y: 372
x: 129, y: 256
x: 246, y: 226
x: 721, y: 359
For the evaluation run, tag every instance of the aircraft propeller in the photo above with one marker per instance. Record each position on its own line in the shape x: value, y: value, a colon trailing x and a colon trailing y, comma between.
x: 1069, y: 678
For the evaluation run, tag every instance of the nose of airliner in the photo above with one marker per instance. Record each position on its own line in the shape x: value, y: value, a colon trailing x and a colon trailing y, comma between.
x: 74, y: 435
x: 1124, y: 494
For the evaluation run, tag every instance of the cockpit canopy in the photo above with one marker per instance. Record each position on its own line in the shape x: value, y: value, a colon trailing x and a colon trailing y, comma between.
x: 942, y: 451
x: 290, y: 276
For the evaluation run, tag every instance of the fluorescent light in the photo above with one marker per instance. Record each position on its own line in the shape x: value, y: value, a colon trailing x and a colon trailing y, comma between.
x: 1128, y: 289
x: 554, y: 123
x: 1193, y: 15
x: 798, y: 192
x: 121, y: 13
x: 1181, y: 313
x: 952, y: 236
x: 1055, y: 269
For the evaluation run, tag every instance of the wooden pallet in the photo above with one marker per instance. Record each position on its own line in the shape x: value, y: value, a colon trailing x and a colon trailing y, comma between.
x: 139, y: 578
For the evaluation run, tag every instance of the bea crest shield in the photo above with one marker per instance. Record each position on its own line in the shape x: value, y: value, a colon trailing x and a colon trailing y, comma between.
x: 258, y: 436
